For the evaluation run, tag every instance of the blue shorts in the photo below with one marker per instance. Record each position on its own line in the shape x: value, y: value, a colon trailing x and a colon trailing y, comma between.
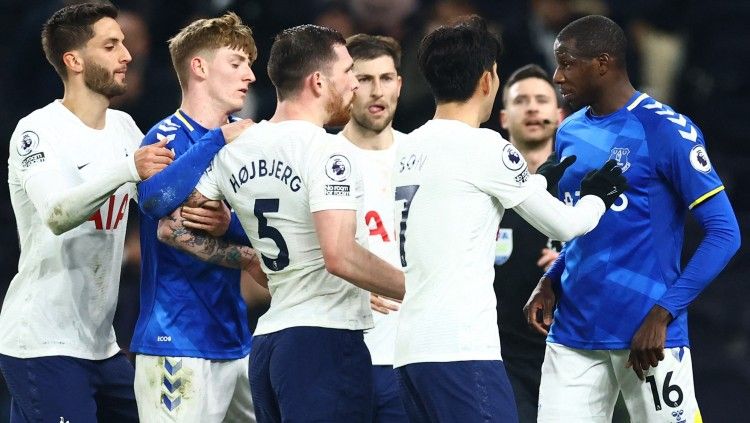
x: 59, y: 388
x: 459, y: 391
x: 387, y: 405
x: 311, y: 374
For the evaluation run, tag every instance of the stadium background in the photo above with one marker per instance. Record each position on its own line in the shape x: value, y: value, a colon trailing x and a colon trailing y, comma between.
x: 692, y: 54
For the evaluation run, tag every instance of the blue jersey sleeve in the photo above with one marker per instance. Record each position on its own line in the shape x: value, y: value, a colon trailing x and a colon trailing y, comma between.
x: 556, y: 269
x: 682, y: 159
x: 160, y: 194
x: 720, y: 242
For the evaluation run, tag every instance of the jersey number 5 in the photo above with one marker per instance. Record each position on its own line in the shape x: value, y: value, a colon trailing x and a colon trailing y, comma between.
x: 405, y: 193
x: 271, y: 205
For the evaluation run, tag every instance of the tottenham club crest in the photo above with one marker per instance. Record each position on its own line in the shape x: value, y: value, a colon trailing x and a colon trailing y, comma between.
x: 29, y: 141
x: 512, y: 158
x: 699, y: 159
x: 620, y: 155
x: 338, y: 168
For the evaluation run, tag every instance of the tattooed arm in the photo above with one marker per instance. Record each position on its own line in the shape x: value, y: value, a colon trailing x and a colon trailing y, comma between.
x: 216, y: 250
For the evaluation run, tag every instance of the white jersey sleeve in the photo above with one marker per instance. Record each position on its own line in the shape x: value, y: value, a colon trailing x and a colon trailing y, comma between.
x: 502, y: 171
x: 207, y: 184
x: 62, y: 202
x: 335, y: 179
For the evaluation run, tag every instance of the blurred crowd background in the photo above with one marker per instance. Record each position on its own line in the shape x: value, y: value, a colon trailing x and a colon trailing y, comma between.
x: 691, y: 54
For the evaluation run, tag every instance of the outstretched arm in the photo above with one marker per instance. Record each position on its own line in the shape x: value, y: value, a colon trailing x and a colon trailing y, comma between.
x: 165, y: 191
x: 62, y: 207
x: 345, y: 258
x: 172, y: 231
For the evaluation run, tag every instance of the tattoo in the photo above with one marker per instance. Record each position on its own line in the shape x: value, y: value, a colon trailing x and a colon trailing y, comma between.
x: 207, y: 247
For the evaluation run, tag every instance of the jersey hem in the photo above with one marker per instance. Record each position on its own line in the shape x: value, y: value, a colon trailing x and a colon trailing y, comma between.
x: 52, y: 352
x: 265, y: 329
x: 446, y: 358
x: 588, y: 345
x: 207, y: 355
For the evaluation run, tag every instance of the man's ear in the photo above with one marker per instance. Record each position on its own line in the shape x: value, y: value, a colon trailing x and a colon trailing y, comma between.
x: 604, y: 61
x: 199, y: 67
x: 485, y: 82
x: 73, y: 61
x: 316, y: 81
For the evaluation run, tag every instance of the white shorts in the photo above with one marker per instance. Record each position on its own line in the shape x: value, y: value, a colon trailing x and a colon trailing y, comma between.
x: 187, y: 389
x: 582, y: 386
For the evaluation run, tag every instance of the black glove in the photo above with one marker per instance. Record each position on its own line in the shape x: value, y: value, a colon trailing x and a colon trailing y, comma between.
x: 606, y: 183
x: 553, y: 171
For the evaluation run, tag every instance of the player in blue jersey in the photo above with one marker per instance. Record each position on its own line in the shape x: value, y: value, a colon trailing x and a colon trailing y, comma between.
x: 192, y: 336
x: 622, y: 297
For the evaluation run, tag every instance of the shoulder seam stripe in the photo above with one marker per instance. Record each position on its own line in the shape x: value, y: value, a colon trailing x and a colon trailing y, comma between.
x: 180, y: 117
x: 637, y: 101
x: 706, y: 196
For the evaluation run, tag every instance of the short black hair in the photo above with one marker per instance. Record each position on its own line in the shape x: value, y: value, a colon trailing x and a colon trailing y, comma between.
x: 369, y: 47
x: 453, y: 58
x: 297, y: 52
x: 595, y: 35
x: 525, y: 72
x: 70, y: 28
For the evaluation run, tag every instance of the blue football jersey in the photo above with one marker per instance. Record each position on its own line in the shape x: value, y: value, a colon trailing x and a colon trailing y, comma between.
x: 616, y: 273
x: 189, y: 308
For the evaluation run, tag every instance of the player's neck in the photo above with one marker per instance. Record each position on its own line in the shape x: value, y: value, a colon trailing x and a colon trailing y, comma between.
x: 90, y: 107
x: 534, y: 153
x: 613, y: 98
x: 298, y: 110
x: 204, y: 111
x: 367, y: 139
x: 468, y: 113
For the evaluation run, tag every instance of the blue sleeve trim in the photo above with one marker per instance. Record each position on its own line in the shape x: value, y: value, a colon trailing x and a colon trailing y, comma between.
x: 720, y: 242
x: 160, y: 194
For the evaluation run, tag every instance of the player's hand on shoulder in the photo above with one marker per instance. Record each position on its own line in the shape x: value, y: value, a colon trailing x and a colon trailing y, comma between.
x: 540, y: 306
x: 383, y: 305
x: 552, y: 170
x: 606, y: 183
x: 212, y: 216
x: 647, y: 345
x: 152, y: 158
x: 233, y: 130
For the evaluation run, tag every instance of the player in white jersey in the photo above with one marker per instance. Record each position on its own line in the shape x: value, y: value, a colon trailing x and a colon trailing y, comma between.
x: 377, y: 60
x: 297, y: 192
x: 71, y: 170
x: 453, y: 182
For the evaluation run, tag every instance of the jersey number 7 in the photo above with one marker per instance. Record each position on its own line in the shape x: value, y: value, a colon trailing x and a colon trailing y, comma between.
x: 405, y: 193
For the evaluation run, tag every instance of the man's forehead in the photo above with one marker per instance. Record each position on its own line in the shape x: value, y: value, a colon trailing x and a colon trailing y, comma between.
x: 379, y: 65
x: 106, y: 28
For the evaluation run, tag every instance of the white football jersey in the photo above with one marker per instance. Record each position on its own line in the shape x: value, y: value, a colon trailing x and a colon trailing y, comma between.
x: 379, y: 217
x: 452, y: 185
x: 275, y: 175
x: 63, y: 298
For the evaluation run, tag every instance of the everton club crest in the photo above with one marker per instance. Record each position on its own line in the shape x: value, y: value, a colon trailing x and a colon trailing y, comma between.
x: 620, y: 155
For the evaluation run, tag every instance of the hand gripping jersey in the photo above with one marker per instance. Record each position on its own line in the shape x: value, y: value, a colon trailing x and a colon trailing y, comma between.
x: 63, y: 298
x: 275, y: 175
x: 616, y: 273
x: 452, y: 184
x: 189, y: 308
x: 379, y: 217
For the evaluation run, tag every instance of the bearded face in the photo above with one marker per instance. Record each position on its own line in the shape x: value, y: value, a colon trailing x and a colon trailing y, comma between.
x: 100, y: 80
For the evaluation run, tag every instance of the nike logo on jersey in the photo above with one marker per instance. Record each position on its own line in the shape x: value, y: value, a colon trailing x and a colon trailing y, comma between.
x: 83, y: 165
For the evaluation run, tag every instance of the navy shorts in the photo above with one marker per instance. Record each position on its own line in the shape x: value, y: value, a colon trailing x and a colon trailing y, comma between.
x: 311, y: 374
x: 387, y: 405
x: 459, y: 391
x: 59, y: 388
